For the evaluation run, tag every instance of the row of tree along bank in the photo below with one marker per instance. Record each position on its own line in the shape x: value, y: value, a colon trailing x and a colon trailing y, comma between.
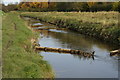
x: 101, y: 25
x: 63, y: 6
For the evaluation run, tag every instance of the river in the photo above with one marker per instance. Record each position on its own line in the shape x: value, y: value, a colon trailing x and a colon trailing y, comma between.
x: 75, y: 66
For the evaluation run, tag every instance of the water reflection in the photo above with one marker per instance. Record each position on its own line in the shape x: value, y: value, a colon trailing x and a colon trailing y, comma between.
x: 75, y: 66
x: 75, y: 41
x: 103, y: 63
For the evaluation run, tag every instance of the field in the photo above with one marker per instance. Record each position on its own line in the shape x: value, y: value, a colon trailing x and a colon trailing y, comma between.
x: 19, y: 59
x: 101, y: 25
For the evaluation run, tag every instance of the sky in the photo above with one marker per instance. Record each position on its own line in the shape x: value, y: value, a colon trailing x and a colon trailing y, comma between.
x: 6, y: 2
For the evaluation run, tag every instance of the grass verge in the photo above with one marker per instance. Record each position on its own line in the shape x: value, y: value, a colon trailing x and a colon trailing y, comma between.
x: 101, y: 25
x: 19, y: 59
x: 1, y: 44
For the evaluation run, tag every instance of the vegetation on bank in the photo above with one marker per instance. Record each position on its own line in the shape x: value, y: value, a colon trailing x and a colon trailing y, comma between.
x: 101, y: 25
x: 0, y: 44
x: 1, y: 13
x: 19, y: 59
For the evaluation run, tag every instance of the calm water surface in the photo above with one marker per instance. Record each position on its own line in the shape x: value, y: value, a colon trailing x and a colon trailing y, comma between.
x: 75, y: 66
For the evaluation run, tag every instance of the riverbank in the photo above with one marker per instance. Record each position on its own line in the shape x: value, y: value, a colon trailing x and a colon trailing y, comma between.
x: 75, y: 66
x: 100, y: 25
x: 1, y: 44
x: 19, y: 59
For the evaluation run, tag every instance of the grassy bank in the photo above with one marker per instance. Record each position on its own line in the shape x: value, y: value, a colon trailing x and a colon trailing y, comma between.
x: 1, y: 44
x: 19, y: 59
x: 101, y: 25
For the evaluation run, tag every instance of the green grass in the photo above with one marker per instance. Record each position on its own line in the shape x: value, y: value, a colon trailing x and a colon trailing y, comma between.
x: 101, y: 25
x: 19, y: 59
x: 1, y: 13
x: 0, y: 44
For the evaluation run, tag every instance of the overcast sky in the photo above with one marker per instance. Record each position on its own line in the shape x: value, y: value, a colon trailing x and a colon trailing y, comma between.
x: 6, y: 2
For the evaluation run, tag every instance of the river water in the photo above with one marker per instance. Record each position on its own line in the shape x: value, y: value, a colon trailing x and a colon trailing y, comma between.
x: 75, y: 66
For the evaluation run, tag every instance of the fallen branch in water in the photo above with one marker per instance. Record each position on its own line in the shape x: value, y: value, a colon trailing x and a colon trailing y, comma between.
x: 115, y: 52
x: 78, y: 52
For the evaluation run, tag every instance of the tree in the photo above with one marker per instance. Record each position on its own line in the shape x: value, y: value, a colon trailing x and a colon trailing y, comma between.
x: 33, y: 6
x: 116, y: 6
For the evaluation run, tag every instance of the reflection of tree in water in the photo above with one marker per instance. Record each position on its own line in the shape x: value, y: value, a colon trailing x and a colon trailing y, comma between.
x: 82, y: 57
x: 81, y: 43
x: 77, y: 41
x: 72, y: 41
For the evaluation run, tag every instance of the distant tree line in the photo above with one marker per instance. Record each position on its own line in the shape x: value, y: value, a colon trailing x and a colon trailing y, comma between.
x: 63, y: 6
x: 10, y: 7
